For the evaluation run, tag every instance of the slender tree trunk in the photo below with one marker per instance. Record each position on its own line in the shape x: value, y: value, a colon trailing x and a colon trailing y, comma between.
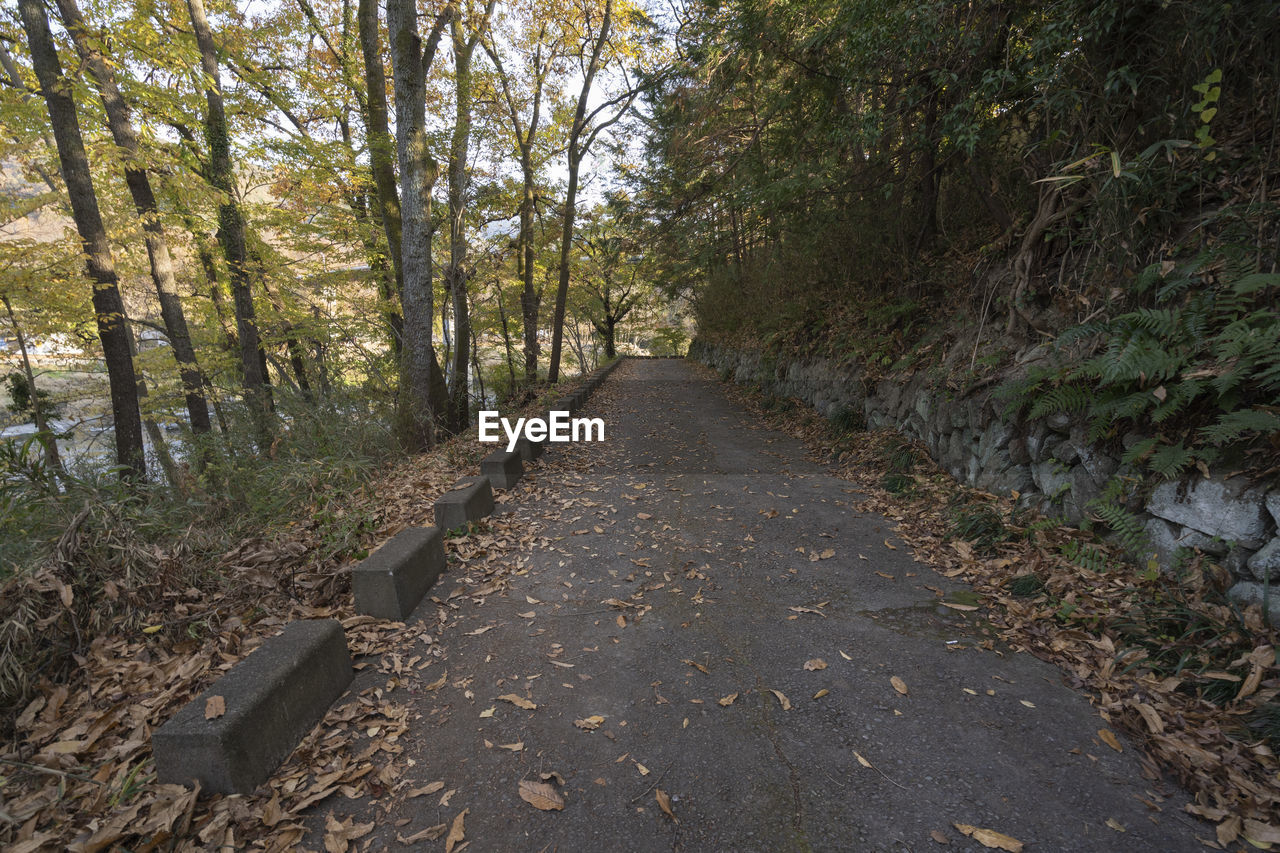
x: 575, y: 154
x: 47, y: 439
x: 506, y: 336
x: 530, y: 298
x: 382, y: 151
x: 144, y: 201
x: 456, y: 275
x: 418, y: 171
x: 149, y: 425
x: 107, y: 304
x: 231, y: 228
x: 464, y: 47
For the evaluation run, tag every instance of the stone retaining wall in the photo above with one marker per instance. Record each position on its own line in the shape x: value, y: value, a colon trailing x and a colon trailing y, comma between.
x: 1050, y: 463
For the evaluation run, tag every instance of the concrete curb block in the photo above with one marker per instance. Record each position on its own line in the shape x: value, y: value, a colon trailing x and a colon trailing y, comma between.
x: 391, y: 581
x: 273, y: 698
x: 529, y: 450
x: 503, y: 468
x: 470, y: 500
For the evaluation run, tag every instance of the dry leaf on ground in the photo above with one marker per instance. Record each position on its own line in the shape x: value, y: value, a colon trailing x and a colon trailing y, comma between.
x: 457, y: 832
x: 990, y: 838
x: 726, y: 701
x: 899, y: 685
x: 541, y: 795
x: 214, y: 707
x: 664, y: 803
x: 518, y: 701
x: 782, y: 700
x: 589, y: 724
x: 815, y: 665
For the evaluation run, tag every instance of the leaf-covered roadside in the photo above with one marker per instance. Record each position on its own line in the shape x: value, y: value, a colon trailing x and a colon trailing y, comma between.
x: 1184, y: 674
x: 77, y: 772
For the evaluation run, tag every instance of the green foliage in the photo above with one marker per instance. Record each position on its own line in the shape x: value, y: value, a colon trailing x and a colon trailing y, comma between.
x: 1201, y: 366
x: 847, y: 419
x: 980, y: 524
x: 1085, y: 554
x: 1026, y: 586
x: 20, y: 400
x: 1127, y: 528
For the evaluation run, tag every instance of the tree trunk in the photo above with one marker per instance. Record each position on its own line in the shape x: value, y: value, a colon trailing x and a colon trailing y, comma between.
x: 45, y: 435
x: 231, y: 228
x: 107, y: 304
x: 530, y: 299
x: 418, y: 171
x: 382, y: 150
x: 381, y: 146
x: 575, y: 154
x: 456, y: 275
x: 144, y: 201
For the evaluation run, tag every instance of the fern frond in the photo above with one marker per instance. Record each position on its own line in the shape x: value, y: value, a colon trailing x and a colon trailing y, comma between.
x: 1233, y: 426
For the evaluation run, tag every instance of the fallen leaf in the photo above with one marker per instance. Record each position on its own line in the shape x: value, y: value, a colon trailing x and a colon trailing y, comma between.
x: 828, y: 554
x: 514, y: 747
x: 726, y: 701
x: 477, y: 632
x: 885, y: 575
x: 823, y: 692
x: 431, y: 833
x: 815, y: 665
x: 990, y: 838
x: 782, y: 700
x: 518, y: 701
x: 488, y: 713
x: 939, y: 837
x: 529, y: 615
x: 529, y: 599
x: 1028, y: 704
x: 697, y: 666
x: 644, y: 771
x: 845, y: 656
x: 862, y: 761
x: 1258, y: 832
x: 664, y: 803
x: 621, y: 620
x: 955, y: 605
x: 541, y: 795
x: 643, y: 516
x: 899, y: 685
x: 1116, y: 825
x: 339, y: 835
x: 214, y: 707
x: 1107, y: 737
x: 590, y: 724
x: 424, y: 790
x: 458, y: 831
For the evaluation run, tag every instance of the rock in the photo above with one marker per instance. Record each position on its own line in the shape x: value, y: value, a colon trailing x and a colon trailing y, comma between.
x: 1099, y: 465
x: 1228, y: 509
x: 1051, y: 478
x: 1058, y: 422
x: 994, y: 438
x: 1191, y: 538
x: 1273, y: 506
x: 1018, y: 453
x: 1246, y: 593
x: 1265, y: 564
x: 1163, y: 537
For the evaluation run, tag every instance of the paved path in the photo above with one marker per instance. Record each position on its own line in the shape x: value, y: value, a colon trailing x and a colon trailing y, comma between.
x: 695, y: 512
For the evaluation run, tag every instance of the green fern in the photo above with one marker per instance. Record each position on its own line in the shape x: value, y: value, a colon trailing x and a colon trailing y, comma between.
x: 1170, y: 460
x: 1232, y: 425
